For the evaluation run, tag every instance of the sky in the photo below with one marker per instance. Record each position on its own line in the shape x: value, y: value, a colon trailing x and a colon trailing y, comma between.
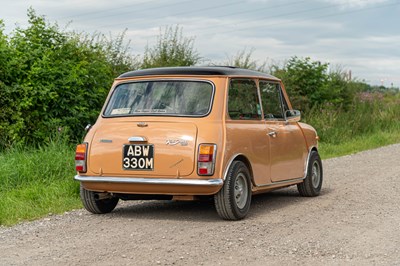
x: 361, y: 36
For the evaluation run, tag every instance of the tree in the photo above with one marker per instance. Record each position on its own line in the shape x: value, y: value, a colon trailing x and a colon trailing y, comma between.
x: 308, y: 83
x: 58, y: 82
x: 6, y: 70
x: 171, y: 49
x: 243, y: 59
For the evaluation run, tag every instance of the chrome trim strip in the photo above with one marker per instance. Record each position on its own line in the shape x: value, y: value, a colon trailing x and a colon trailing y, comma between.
x: 150, y: 181
x: 282, y: 182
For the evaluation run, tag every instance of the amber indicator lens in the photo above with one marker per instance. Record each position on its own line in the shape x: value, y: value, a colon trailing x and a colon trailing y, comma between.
x: 206, y: 153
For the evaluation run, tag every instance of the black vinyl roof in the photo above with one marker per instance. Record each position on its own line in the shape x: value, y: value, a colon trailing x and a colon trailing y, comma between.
x: 201, y: 71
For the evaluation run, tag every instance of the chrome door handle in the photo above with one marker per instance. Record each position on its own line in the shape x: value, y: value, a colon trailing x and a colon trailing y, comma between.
x: 272, y: 134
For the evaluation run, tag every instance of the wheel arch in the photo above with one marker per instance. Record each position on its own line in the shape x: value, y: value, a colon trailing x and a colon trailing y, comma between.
x: 310, y: 150
x: 245, y: 160
x: 308, y: 188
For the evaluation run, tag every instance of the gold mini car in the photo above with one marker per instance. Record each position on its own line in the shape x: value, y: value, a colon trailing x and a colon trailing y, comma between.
x: 184, y: 133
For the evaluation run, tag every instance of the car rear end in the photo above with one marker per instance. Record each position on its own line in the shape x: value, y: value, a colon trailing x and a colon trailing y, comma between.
x: 157, y: 136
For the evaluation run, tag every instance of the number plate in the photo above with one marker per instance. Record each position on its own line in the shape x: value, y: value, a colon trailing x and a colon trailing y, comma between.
x: 138, y: 157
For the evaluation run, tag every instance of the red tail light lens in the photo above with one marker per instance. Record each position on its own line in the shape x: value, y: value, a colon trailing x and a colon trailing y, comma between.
x: 206, y: 159
x: 80, y: 157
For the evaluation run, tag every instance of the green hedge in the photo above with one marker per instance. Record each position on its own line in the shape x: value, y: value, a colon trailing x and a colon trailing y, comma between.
x: 53, y: 81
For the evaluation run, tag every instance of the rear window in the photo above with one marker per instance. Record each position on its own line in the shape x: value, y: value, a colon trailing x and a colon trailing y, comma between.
x: 171, y: 98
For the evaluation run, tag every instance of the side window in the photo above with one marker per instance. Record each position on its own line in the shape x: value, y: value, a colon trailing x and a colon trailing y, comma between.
x: 243, y: 102
x: 271, y: 100
x: 285, y: 105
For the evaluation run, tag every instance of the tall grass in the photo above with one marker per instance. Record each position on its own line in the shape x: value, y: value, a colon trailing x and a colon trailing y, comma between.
x: 37, y: 181
x: 365, y: 125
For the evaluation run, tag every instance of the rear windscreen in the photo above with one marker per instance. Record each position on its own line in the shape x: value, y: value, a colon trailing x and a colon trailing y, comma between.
x: 172, y: 98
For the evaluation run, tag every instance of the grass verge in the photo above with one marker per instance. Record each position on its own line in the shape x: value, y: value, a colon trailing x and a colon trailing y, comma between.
x: 36, y: 182
x: 357, y: 144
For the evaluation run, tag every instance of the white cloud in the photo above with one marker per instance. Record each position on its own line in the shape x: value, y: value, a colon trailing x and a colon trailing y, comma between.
x: 355, y: 3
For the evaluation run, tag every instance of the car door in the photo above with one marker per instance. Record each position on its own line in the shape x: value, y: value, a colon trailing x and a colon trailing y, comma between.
x: 245, y: 128
x: 287, y: 148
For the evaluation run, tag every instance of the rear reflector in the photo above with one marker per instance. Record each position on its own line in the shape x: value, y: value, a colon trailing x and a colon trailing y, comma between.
x: 206, y: 159
x: 80, y: 157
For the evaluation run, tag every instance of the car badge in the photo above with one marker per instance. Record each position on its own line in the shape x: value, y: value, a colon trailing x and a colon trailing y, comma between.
x: 173, y: 142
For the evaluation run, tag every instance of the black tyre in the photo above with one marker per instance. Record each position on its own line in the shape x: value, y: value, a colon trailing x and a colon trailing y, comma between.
x: 96, y: 202
x: 311, y: 186
x: 232, y: 202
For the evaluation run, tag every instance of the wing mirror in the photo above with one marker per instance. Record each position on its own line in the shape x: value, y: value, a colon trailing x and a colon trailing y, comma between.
x: 293, y: 115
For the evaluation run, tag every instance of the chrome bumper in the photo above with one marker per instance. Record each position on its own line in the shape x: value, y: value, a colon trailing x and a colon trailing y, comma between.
x: 150, y: 181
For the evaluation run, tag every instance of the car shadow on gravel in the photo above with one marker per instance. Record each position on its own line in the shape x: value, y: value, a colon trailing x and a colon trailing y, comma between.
x: 280, y: 199
x: 204, y: 210
x: 168, y: 210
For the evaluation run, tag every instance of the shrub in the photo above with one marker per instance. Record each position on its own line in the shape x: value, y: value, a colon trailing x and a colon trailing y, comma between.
x: 58, y: 80
x: 171, y: 49
x: 310, y: 84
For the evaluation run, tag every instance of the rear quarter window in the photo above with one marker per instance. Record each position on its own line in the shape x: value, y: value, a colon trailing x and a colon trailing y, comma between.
x: 243, y: 101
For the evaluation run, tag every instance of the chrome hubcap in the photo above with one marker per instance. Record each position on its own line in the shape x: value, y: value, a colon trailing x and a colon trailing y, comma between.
x: 241, y: 191
x: 315, y: 174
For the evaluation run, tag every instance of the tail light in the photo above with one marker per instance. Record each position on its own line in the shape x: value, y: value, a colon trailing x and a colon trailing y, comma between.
x: 80, y: 157
x: 206, y: 159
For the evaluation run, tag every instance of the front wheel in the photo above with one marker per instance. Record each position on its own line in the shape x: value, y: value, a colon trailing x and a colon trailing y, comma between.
x: 311, y: 186
x: 96, y: 202
x: 232, y: 202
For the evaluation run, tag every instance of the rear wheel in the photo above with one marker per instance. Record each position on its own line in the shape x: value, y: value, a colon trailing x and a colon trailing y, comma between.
x: 232, y: 202
x: 97, y: 202
x: 312, y: 184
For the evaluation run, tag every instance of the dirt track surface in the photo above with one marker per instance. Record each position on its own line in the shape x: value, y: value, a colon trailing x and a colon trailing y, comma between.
x: 355, y: 221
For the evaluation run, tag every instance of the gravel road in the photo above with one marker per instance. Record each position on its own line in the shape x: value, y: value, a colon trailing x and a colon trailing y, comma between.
x: 355, y: 221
